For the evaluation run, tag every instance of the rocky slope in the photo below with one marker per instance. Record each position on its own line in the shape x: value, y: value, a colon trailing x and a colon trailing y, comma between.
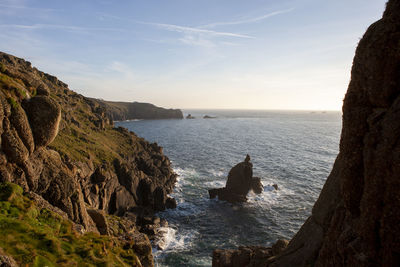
x: 37, y: 234
x: 63, y: 147
x: 356, y: 219
x: 120, y: 111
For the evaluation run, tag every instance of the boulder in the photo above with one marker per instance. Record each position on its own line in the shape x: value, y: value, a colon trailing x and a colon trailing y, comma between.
x: 279, y: 246
x: 42, y: 89
x: 44, y: 116
x: 100, y: 219
x: 249, y: 256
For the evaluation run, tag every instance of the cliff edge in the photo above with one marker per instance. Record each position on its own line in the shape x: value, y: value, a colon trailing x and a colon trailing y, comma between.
x: 62, y: 147
x: 120, y: 111
x: 356, y: 219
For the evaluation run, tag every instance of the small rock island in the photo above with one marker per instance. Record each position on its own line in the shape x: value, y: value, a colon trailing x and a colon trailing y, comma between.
x: 240, y: 182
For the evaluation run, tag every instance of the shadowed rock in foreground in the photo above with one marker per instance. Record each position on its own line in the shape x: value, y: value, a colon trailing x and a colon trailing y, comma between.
x: 240, y: 182
x: 356, y: 219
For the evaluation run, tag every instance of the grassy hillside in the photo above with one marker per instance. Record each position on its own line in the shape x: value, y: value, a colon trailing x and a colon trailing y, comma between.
x: 39, y: 237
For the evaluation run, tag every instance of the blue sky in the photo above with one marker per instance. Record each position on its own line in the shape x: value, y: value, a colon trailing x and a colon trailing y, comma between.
x: 241, y: 54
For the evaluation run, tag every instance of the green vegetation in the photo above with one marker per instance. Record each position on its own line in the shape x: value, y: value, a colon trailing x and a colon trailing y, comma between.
x: 12, y: 102
x: 2, y: 68
x: 35, y: 237
x: 81, y: 140
x: 12, y: 87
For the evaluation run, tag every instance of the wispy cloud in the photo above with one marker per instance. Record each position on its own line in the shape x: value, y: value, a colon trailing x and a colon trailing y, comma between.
x: 192, y: 30
x: 12, y: 6
x: 248, y: 20
x: 58, y: 27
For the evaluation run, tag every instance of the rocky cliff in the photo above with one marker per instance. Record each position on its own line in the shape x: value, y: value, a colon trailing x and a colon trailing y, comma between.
x: 63, y: 147
x: 120, y: 111
x: 356, y: 219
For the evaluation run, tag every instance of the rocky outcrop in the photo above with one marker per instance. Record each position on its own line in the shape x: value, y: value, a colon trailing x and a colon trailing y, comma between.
x: 62, y: 148
x: 6, y: 260
x: 355, y: 221
x: 240, y: 182
x: 249, y: 256
x: 44, y: 116
x: 120, y: 111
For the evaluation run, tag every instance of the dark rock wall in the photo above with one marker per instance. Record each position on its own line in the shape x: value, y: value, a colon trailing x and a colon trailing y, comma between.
x: 356, y: 219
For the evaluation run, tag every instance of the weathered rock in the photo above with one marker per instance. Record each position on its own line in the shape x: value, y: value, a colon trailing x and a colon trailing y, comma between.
x: 89, y: 164
x: 355, y: 221
x: 256, y: 185
x: 279, y: 246
x: 251, y: 256
x: 240, y: 178
x: 99, y: 218
x: 44, y: 116
x: 6, y: 260
x: 170, y: 203
x: 43, y: 90
x: 240, y: 181
x: 41, y: 203
x: 13, y: 146
x: 20, y: 121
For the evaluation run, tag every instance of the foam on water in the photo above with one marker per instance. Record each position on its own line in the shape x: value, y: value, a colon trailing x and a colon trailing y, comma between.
x: 293, y: 150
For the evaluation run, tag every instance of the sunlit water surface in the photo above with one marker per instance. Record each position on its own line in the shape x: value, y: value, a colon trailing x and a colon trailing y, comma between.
x: 295, y: 150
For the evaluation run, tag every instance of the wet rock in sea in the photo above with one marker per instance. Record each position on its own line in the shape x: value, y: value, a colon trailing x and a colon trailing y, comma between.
x: 240, y: 182
x: 279, y: 246
x: 256, y: 185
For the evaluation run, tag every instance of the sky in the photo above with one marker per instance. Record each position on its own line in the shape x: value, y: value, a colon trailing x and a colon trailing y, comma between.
x: 211, y: 54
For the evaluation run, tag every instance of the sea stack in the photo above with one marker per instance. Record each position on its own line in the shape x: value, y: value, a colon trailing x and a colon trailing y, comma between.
x: 240, y: 182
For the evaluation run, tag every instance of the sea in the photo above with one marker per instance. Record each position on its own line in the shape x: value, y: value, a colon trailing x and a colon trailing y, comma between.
x: 293, y: 149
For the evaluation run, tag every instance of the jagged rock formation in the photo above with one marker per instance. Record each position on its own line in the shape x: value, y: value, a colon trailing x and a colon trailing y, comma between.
x: 63, y: 147
x: 240, y: 181
x: 355, y: 221
x: 120, y: 111
x: 35, y: 233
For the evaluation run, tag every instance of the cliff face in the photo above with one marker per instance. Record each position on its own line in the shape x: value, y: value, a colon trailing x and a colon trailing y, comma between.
x: 356, y: 219
x: 120, y: 111
x: 63, y: 147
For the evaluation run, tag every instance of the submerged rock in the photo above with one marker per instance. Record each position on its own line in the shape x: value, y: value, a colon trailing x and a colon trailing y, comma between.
x: 240, y: 182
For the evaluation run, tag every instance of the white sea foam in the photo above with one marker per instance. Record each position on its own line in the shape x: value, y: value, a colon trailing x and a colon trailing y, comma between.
x: 217, y: 173
x: 170, y: 239
x: 215, y: 184
x: 185, y: 172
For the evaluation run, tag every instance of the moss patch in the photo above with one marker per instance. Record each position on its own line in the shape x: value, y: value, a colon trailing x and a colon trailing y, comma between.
x: 35, y: 237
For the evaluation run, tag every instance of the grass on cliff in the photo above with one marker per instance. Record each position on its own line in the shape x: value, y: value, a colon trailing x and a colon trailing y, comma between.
x: 35, y: 237
x: 83, y: 141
